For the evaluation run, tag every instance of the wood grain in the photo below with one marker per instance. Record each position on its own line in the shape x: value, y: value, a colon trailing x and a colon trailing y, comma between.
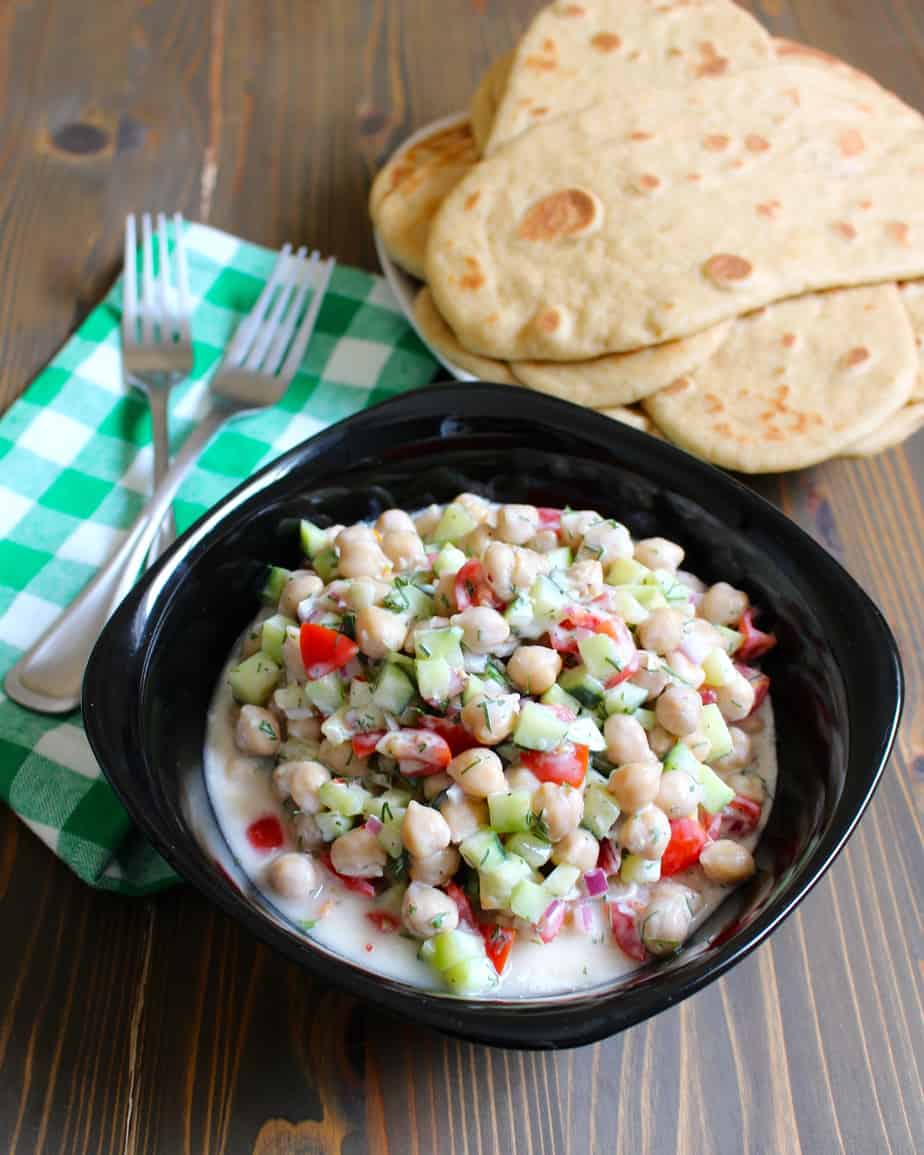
x: 159, y: 1026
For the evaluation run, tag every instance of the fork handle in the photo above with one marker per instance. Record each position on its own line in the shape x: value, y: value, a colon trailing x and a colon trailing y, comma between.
x: 166, y: 531
x: 48, y: 677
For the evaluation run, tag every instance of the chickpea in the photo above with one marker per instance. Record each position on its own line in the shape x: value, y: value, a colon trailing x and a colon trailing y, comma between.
x: 579, y: 848
x: 575, y: 524
x: 358, y: 854
x: 750, y: 785
x: 436, y: 869
x: 426, y: 521
x: 424, y: 830
x: 679, y: 794
x: 464, y: 816
x: 736, y: 700
x: 723, y: 605
x: 426, y: 911
x: 646, y: 832
x: 534, y: 669
x: 700, y: 637
x: 521, y: 778
x: 307, y: 832
x: 607, y: 541
x: 342, y: 759
x: 665, y: 925
x: 435, y: 784
x: 365, y: 559
x: 544, y: 541
x: 404, y: 550
x: 498, y: 569
x: 679, y: 710
x: 686, y: 670
x: 560, y: 807
x: 650, y: 675
x: 257, y: 732
x: 739, y: 755
x: 292, y: 875
x: 526, y: 568
x: 727, y: 862
x: 476, y: 507
x: 303, y: 780
x: 482, y: 628
x: 379, y: 631
x: 491, y: 720
x: 444, y: 596
x: 586, y: 578
x: 355, y: 535
x: 517, y: 523
x: 292, y: 657
x: 478, y: 771
x: 691, y: 581
x: 661, y: 631
x: 395, y: 521
x: 301, y: 584
x: 635, y: 785
x: 476, y: 543
x: 660, y: 741
x: 658, y: 553
x: 626, y: 740
x: 752, y: 724
x: 698, y: 745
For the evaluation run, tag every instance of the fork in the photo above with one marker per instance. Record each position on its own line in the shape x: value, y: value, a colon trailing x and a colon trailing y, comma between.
x: 261, y: 360
x: 156, y: 344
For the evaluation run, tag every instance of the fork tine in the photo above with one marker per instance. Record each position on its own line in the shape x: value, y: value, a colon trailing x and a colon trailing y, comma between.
x: 303, y: 336
x: 167, y: 311
x: 184, y: 303
x: 148, y: 305
x: 281, y: 341
x: 248, y: 327
x: 130, y: 282
x: 268, y: 331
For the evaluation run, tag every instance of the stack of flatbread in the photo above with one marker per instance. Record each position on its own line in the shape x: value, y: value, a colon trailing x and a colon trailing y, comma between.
x: 657, y: 210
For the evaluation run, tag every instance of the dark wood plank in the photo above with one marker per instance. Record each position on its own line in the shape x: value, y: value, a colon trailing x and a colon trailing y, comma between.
x: 159, y: 1026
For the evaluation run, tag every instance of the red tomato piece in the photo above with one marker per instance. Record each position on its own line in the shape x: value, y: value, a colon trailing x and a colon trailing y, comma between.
x: 759, y: 680
x: 365, y: 744
x: 383, y: 921
x: 630, y: 668
x: 472, y: 588
x: 324, y: 650
x: 358, y: 885
x: 686, y: 845
x: 609, y: 858
x: 456, y: 737
x: 266, y: 833
x: 567, y: 764
x: 756, y: 643
x: 711, y: 823
x: 624, y: 925
x: 709, y: 697
x: 464, y: 907
x: 740, y: 816
x: 549, y: 518
x: 498, y: 943
x: 421, y: 748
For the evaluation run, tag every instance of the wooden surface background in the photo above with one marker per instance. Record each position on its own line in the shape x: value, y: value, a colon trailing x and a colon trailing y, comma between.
x: 159, y: 1026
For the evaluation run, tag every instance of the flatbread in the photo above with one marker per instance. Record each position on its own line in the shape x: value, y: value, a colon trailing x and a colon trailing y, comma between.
x: 409, y: 190
x: 796, y: 382
x: 634, y: 416
x: 893, y: 431
x: 588, y: 236
x: 437, y: 333
x: 913, y: 299
x: 575, y: 55
x: 487, y: 96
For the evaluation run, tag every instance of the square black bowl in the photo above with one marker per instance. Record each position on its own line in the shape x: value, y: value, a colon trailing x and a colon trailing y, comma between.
x: 837, y: 681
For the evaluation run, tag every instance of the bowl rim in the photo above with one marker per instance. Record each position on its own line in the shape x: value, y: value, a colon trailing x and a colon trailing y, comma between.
x: 494, y: 1021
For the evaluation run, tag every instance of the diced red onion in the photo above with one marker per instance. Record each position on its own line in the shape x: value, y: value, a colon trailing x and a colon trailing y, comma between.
x: 609, y: 858
x: 595, y: 882
x: 551, y: 922
x: 373, y: 824
x: 583, y: 919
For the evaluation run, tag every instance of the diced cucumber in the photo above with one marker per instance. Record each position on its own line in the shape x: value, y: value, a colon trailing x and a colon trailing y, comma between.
x: 562, y: 880
x: 360, y: 695
x: 482, y: 850
x: 496, y: 885
x: 442, y: 643
x: 519, y: 613
x: 649, y: 597
x: 557, y: 696
x: 394, y: 690
x: 332, y: 825
x: 600, y: 811
x: 624, y: 698
x: 473, y: 689
x: 471, y: 977
x: 406, y: 599
x: 338, y: 728
x: 426, y: 951
x: 629, y: 608
x: 580, y: 683
x: 298, y: 750
x: 386, y: 806
x: 547, y: 597
x: 253, y: 681
x: 539, y: 728
x: 718, y: 668
x: 510, y: 813
x: 313, y: 538
x: 390, y: 835
x: 403, y: 661
x: 714, y: 726
x: 533, y: 849
x: 325, y: 563
x: 626, y: 571
x: 448, y: 561
x: 276, y: 578
x: 495, y: 672
x: 325, y: 694
x: 455, y: 523
x: 637, y: 869
x: 290, y: 698
x: 594, y: 776
x: 673, y: 589
x: 716, y: 795
x: 681, y: 757
x: 273, y: 635
x: 731, y: 639
x: 451, y: 947
x: 559, y: 559
x: 601, y: 656
x: 585, y: 732
x: 344, y: 797
x: 646, y: 719
x: 390, y: 902
x: 434, y: 679
x: 529, y: 901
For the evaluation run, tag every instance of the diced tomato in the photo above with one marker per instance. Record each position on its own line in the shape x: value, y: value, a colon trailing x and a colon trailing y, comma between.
x: 457, y: 738
x: 711, y: 823
x: 577, y: 622
x: 324, y: 650
x: 567, y: 764
x: 498, y: 943
x: 365, y: 744
x: 608, y: 858
x: 419, y: 752
x: 383, y: 921
x: 549, y: 518
x: 756, y: 643
x: 266, y: 833
x: 464, y: 907
x: 358, y: 885
x: 759, y: 680
x: 624, y: 925
x: 630, y: 668
x: 709, y: 697
x: 740, y: 816
x: 688, y: 839
x: 472, y: 588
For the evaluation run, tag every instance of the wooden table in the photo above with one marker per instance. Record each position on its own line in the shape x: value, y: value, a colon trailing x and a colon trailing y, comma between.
x: 159, y: 1026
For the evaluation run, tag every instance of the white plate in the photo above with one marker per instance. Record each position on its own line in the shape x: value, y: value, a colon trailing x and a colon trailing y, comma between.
x: 402, y: 284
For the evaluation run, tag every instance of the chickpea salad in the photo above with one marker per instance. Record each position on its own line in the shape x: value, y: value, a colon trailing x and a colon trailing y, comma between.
x: 494, y: 748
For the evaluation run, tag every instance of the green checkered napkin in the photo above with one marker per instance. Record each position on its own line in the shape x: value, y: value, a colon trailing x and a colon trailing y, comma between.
x: 75, y: 468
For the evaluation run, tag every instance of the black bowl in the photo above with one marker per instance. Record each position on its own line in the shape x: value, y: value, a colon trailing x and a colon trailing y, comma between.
x: 837, y: 681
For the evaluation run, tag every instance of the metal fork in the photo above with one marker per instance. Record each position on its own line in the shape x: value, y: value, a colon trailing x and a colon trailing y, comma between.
x: 261, y: 360
x: 157, y: 348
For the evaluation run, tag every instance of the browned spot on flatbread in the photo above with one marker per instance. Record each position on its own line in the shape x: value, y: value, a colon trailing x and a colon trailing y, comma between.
x: 539, y: 110
x: 898, y: 231
x: 793, y: 94
x: 724, y: 429
x: 674, y: 52
x: 540, y: 64
x: 754, y: 142
x: 844, y: 229
x: 851, y: 143
x: 866, y: 204
x: 711, y: 63
x: 606, y: 41
x: 737, y: 163
x: 548, y: 320
x: 855, y: 356
x: 525, y: 101
x: 561, y: 214
x: 472, y: 281
x: 641, y: 136
x: 549, y: 47
x: 678, y: 385
x: 471, y: 200
x: 694, y: 176
x: 727, y: 268
x: 769, y: 208
x: 789, y: 339
x: 713, y: 404
x: 572, y: 11
x: 773, y: 433
x: 648, y: 180
x: 716, y: 142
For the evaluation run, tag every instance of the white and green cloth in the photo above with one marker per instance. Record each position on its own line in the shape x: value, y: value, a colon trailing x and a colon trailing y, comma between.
x: 75, y: 469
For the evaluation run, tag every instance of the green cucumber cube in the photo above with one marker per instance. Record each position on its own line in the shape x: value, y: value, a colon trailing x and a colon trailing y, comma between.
x: 714, y: 726
x: 455, y: 523
x: 473, y: 689
x: 559, y: 559
x: 442, y: 643
x: 496, y: 885
x: 273, y: 635
x: 547, y: 597
x: 343, y: 797
x: 451, y: 947
x: 673, y: 589
x: 529, y: 901
x: 681, y: 757
x: 390, y: 835
x: 325, y: 563
x: 394, y: 690
x: 626, y: 571
x: 645, y: 718
x: 636, y: 869
x: 519, y: 613
x: 434, y: 679
x: 298, y: 750
x: 629, y: 608
x: 600, y: 811
x: 562, y: 880
x: 649, y: 597
x: 471, y: 977
x: 325, y: 694
x: 539, y: 728
x: 624, y: 698
x: 253, y: 681
x: 731, y: 639
x: 276, y: 578
x: 718, y: 668
x: 448, y: 561
x: 332, y: 824
x: 582, y: 685
x: 410, y: 601
x: 291, y: 697
x: 482, y: 850
x: 388, y: 805
x: 510, y: 813
x: 716, y: 795
x: 556, y: 696
x: 533, y: 849
x: 601, y: 656
x: 585, y: 732
x: 313, y: 538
